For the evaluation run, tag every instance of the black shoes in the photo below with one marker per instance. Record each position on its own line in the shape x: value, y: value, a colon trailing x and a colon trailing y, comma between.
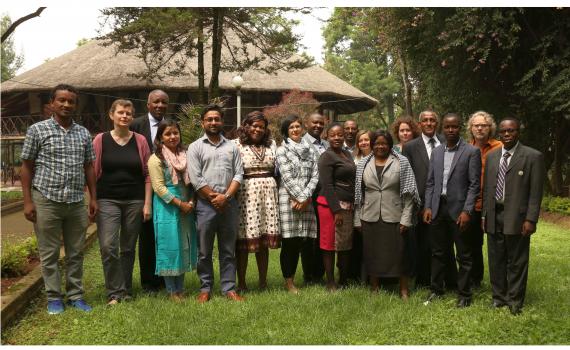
x: 515, y: 310
x: 463, y: 303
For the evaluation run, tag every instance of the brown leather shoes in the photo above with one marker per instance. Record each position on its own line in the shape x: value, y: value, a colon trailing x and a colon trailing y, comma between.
x: 232, y: 295
x: 203, y: 297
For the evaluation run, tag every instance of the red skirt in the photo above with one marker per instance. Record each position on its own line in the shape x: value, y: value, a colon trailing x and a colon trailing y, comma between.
x: 332, y: 237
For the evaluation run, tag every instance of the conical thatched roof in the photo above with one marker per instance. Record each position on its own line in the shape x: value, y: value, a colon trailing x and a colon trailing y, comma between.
x: 96, y: 67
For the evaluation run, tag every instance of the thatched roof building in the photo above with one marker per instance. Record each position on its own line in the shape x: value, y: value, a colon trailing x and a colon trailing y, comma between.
x: 101, y: 76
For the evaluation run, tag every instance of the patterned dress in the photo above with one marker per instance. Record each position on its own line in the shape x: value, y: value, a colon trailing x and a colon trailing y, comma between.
x: 298, y: 166
x: 257, y: 199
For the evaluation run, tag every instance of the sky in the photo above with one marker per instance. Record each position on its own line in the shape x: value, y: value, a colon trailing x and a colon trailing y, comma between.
x: 61, y: 26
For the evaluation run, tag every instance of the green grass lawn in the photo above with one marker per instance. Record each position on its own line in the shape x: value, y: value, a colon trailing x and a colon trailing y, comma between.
x: 349, y: 316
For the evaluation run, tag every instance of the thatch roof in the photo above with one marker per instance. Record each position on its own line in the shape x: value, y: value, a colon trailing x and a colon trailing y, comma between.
x: 96, y: 67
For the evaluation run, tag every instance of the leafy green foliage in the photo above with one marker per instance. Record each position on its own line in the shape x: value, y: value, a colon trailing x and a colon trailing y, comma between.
x: 556, y: 204
x: 165, y: 38
x: 190, y: 121
x: 11, y: 61
x: 11, y: 195
x: 15, y: 256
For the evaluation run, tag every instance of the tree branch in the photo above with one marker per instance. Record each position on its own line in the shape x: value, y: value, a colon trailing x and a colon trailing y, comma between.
x: 21, y: 20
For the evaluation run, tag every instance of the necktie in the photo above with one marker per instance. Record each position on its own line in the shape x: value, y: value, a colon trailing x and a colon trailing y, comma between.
x: 431, y: 143
x: 501, y: 177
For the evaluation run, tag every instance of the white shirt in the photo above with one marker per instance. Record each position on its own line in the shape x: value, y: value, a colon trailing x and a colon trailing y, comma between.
x: 426, y: 143
x: 153, y: 126
x: 511, y: 152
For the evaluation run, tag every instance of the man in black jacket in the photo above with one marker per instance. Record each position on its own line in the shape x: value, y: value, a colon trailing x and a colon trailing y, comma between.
x: 418, y: 151
x: 147, y: 125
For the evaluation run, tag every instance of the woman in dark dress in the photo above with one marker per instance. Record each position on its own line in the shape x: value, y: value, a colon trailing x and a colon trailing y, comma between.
x: 386, y: 191
x: 336, y: 205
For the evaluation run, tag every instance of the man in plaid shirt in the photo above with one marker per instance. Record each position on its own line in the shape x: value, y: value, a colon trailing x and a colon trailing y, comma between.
x: 57, y: 162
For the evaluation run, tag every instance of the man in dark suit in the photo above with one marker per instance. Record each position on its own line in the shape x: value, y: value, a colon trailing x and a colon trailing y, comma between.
x: 147, y: 125
x: 452, y: 186
x: 418, y: 151
x: 512, y: 193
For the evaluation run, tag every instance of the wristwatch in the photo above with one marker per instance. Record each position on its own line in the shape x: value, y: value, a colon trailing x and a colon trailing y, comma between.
x: 228, y: 197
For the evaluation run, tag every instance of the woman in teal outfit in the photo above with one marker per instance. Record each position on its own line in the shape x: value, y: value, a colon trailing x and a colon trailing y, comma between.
x: 173, y: 212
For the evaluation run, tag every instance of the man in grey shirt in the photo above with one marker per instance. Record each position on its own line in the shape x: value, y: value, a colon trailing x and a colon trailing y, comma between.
x: 216, y: 172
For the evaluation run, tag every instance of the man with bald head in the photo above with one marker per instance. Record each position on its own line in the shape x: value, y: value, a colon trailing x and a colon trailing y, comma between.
x: 157, y: 105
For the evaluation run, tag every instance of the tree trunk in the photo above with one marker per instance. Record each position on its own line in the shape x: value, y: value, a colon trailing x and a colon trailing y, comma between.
x: 390, y: 108
x: 217, y: 38
x: 202, y: 93
x: 407, y: 84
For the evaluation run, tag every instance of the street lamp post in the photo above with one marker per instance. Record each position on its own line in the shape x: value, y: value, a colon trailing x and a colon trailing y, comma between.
x: 237, y: 82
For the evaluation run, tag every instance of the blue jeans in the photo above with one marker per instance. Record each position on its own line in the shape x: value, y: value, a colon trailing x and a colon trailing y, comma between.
x: 174, y: 284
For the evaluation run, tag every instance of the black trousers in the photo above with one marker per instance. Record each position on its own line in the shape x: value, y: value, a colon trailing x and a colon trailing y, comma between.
x: 147, y: 258
x: 508, y: 264
x: 289, y: 256
x: 476, y: 243
x: 313, y: 268
x: 355, y: 268
x: 421, y: 258
x: 444, y: 233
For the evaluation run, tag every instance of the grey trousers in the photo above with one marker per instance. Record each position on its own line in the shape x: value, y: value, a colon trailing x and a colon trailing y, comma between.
x: 54, y: 221
x: 225, y: 225
x: 119, y: 223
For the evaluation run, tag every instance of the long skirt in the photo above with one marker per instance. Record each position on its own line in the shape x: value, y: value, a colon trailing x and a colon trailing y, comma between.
x: 385, y: 249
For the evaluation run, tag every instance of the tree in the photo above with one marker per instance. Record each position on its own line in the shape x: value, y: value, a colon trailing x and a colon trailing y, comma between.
x: 11, y: 61
x: 353, y: 55
x: 165, y: 39
x: 292, y: 102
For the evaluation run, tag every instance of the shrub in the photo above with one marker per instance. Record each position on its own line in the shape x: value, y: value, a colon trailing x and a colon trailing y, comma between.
x: 556, y: 204
x: 15, y: 257
x: 11, y: 195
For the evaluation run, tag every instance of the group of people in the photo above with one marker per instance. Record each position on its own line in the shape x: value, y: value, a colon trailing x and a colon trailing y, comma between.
x: 383, y: 210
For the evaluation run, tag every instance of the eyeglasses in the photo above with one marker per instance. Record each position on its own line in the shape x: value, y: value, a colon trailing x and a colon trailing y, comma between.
x: 483, y: 126
x: 510, y: 131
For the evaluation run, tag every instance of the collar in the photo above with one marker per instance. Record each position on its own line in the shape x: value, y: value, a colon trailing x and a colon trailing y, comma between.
x: 153, y: 120
x: 511, y: 151
x: 314, y: 140
x: 427, y: 138
x: 205, y: 138
x: 455, y: 147
x: 491, y: 142
x: 56, y: 124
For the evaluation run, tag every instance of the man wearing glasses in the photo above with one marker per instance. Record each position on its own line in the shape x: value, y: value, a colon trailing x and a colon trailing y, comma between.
x: 512, y: 192
x: 482, y: 128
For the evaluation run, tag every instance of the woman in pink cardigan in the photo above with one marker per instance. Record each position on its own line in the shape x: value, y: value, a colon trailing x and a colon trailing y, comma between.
x: 124, y: 195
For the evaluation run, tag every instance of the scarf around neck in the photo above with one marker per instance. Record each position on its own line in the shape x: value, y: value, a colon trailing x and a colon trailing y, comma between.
x: 407, y: 179
x: 176, y: 165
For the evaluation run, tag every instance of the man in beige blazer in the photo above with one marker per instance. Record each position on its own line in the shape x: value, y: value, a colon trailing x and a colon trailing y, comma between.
x: 512, y: 193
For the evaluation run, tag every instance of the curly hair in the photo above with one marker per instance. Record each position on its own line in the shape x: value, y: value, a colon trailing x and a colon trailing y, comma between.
x: 243, y: 130
x: 488, y: 119
x: 405, y: 119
